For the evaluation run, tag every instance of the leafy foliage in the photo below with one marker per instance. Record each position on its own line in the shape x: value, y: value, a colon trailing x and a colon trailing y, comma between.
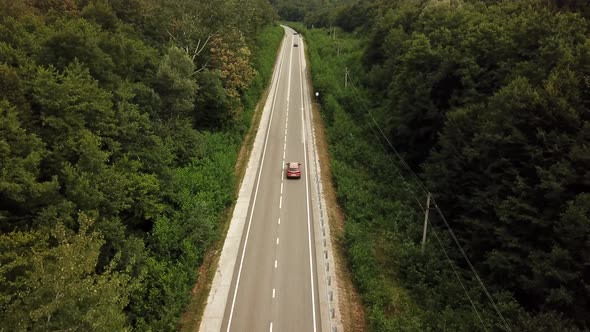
x: 232, y: 57
x: 111, y: 189
x: 489, y: 100
x: 47, y: 287
x: 403, y: 288
x: 318, y: 13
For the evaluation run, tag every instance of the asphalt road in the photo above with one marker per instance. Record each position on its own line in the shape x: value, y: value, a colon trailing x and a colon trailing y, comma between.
x: 274, y: 284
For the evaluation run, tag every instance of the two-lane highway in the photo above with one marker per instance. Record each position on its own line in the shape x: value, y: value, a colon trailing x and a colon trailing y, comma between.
x: 274, y: 282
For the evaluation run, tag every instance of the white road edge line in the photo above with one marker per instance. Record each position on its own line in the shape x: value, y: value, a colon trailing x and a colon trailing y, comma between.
x: 231, y: 313
x: 307, y: 203
x: 303, y: 119
x: 270, y: 326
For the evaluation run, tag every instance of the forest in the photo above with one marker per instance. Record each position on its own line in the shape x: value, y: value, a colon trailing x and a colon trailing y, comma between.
x: 120, y: 126
x: 121, y: 122
x: 484, y: 106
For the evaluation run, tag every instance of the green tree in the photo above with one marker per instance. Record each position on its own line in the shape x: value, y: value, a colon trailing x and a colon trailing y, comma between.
x: 212, y: 106
x: 510, y: 180
x: 98, y: 106
x: 490, y: 100
x: 176, y: 84
x: 71, y: 107
x: 101, y: 13
x: 51, y: 287
x: 78, y: 40
x: 22, y: 192
x: 55, y: 6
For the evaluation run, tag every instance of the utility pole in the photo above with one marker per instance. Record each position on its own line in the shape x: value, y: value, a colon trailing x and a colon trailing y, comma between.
x: 425, y: 221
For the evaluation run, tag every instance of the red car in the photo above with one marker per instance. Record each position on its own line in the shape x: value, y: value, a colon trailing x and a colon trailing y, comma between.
x: 293, y: 170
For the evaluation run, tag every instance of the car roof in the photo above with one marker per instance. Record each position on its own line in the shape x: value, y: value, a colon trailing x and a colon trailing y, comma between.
x: 293, y: 164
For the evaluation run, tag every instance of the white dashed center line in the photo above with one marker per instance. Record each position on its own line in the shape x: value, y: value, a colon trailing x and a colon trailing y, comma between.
x: 283, y: 166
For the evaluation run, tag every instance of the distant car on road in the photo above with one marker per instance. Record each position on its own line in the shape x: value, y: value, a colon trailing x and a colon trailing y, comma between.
x: 294, y: 32
x: 293, y: 170
x: 295, y: 44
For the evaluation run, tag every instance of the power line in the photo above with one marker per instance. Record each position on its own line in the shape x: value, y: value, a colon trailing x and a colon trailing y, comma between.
x: 416, y: 179
x: 415, y: 197
x: 389, y: 157
x: 457, y: 275
x: 489, y: 296
x: 398, y: 171
x: 427, y: 192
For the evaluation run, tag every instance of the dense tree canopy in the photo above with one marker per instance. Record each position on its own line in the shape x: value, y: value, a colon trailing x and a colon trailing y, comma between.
x: 318, y: 13
x: 110, y: 191
x: 492, y: 97
x: 488, y: 101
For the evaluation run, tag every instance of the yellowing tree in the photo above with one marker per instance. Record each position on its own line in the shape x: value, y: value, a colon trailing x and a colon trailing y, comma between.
x: 231, y: 56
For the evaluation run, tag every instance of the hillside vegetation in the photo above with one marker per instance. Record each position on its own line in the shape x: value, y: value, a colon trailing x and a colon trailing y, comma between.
x: 488, y: 103
x: 120, y: 124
